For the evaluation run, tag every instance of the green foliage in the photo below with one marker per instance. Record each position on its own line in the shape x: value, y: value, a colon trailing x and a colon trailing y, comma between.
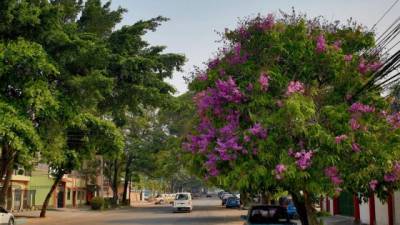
x: 97, y: 203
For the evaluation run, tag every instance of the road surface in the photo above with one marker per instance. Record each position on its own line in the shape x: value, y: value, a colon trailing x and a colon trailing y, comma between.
x: 205, y: 212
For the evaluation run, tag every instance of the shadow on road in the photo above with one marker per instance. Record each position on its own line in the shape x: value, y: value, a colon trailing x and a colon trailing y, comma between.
x: 183, y: 220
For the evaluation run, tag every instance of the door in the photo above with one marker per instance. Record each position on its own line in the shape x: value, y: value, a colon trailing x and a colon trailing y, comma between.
x: 346, y: 205
x: 60, y: 199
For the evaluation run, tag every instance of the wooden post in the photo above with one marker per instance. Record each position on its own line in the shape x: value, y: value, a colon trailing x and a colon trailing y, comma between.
x: 390, y: 208
x: 372, y: 216
x: 356, y: 208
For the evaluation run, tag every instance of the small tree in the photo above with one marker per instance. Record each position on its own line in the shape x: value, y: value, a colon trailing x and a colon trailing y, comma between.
x: 276, y: 111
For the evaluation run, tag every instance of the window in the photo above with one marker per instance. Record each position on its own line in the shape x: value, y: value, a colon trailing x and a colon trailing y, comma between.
x: 182, y: 197
x: 69, y: 194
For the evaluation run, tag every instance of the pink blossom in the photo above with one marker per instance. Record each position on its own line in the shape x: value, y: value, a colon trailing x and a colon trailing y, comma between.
x: 303, y: 159
x: 295, y: 86
x: 354, y: 124
x: 250, y: 87
x: 279, y: 103
x: 355, y: 147
x: 266, y: 23
x: 337, y: 44
x: 348, y: 58
x: 373, y: 184
x: 340, y: 138
x: 228, y: 90
x: 333, y: 173
x: 258, y: 131
x: 279, y: 170
x: 202, y: 76
x: 264, y: 81
x: 321, y: 44
x: 375, y: 66
x: 394, y: 120
x: 363, y: 67
x: 390, y: 177
x: 359, y: 107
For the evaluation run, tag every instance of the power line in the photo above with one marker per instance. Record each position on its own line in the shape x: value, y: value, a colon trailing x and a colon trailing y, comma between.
x: 383, y: 16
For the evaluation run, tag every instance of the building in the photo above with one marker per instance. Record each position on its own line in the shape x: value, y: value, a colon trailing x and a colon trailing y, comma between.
x: 28, y: 190
x: 373, y: 211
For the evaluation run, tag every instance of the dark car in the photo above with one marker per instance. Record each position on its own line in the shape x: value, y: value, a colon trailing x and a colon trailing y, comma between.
x: 232, y: 202
x: 225, y: 198
x: 267, y: 215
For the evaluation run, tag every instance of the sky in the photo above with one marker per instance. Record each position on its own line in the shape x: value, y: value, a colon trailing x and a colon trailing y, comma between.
x: 193, y: 25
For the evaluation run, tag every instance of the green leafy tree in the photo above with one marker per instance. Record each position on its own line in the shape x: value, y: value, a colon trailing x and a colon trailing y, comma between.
x: 278, y: 110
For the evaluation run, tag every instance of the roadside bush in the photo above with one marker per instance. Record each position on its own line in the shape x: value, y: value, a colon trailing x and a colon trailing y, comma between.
x: 323, y: 214
x: 97, y: 203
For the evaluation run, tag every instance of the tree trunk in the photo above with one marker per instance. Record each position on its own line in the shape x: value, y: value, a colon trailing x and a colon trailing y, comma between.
x: 7, y: 161
x: 127, y: 179
x: 48, y: 196
x: 115, y: 182
x: 6, y: 184
x: 305, y: 209
x: 311, y: 213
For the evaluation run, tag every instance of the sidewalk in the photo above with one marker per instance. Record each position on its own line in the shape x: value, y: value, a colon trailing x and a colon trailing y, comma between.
x: 339, y: 220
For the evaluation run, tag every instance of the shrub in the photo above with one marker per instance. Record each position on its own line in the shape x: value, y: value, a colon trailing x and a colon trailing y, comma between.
x: 97, y: 203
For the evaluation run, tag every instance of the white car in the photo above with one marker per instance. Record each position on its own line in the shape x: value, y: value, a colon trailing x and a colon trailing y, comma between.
x: 183, y: 202
x: 6, y: 217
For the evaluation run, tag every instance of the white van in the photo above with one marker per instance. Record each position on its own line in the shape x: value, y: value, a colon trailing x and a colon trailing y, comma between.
x: 183, y: 202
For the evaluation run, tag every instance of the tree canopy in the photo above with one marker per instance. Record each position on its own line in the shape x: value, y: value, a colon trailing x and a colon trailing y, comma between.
x: 277, y: 110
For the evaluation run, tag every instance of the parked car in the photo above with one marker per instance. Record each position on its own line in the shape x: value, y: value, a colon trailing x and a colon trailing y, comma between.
x: 208, y: 195
x: 225, y: 198
x: 183, y: 202
x: 6, y: 217
x: 159, y: 199
x: 232, y: 202
x: 267, y: 215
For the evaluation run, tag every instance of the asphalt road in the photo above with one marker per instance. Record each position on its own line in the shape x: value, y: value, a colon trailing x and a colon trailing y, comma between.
x: 205, y: 212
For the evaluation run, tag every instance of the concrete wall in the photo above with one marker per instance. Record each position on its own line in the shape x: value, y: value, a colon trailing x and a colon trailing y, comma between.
x: 381, y: 212
x: 364, y: 212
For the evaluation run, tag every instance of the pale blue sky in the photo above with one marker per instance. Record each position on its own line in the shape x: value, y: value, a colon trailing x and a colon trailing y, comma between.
x: 193, y: 25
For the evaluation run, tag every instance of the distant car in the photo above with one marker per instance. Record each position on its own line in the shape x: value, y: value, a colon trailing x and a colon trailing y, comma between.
x: 225, y: 198
x: 232, y: 202
x: 159, y: 200
x: 6, y: 217
x: 183, y: 202
x: 267, y: 215
x: 208, y: 195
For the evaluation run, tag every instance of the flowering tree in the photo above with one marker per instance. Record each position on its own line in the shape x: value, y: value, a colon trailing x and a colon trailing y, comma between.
x: 278, y: 110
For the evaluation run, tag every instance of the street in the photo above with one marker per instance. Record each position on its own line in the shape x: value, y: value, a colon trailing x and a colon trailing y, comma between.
x: 205, y: 212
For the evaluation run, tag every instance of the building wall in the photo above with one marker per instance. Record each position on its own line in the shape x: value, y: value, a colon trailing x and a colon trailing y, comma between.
x: 41, y: 183
x: 396, y: 210
x: 364, y: 212
x: 381, y: 212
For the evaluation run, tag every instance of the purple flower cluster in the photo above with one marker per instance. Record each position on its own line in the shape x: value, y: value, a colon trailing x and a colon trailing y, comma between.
x: 227, y: 142
x: 394, y: 175
x: 202, y: 76
x: 295, y: 86
x: 243, y: 32
x: 364, y: 67
x: 208, y: 99
x: 321, y: 44
x: 394, y: 119
x: 211, y: 165
x: 373, y: 184
x: 264, y: 81
x: 355, y: 147
x: 333, y: 174
x: 258, y: 131
x: 359, y: 107
x: 237, y: 56
x: 228, y: 90
x: 348, y: 58
x: 279, y: 170
x: 213, y: 63
x: 266, y: 23
x: 340, y: 138
x: 354, y: 124
x: 337, y: 44
x: 303, y: 158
